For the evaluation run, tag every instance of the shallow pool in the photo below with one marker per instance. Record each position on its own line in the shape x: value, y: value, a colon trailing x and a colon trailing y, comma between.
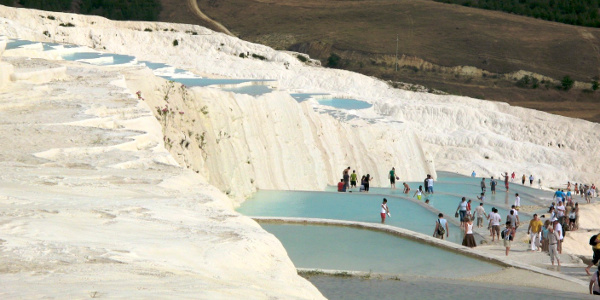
x: 14, y: 44
x: 301, y: 97
x: 197, y: 81
x: 343, y: 248
x: 335, y: 288
x: 103, y: 59
x: 344, y: 206
x: 345, y: 103
x: 253, y: 90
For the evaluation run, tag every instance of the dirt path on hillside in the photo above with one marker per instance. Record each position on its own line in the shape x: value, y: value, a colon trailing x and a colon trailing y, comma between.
x: 193, y: 5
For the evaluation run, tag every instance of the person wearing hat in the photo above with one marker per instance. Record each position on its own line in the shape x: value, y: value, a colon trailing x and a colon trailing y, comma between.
x: 559, y: 231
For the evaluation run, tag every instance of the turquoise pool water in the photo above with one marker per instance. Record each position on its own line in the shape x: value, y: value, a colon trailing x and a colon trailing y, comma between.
x: 14, y: 44
x: 209, y: 81
x: 344, y: 206
x: 345, y: 103
x: 337, y: 288
x: 534, y: 193
x: 301, y: 97
x: 155, y: 66
x: 117, y: 59
x: 343, y: 248
x: 253, y: 90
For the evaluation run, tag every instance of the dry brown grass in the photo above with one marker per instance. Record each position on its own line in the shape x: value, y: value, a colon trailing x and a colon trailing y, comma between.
x: 364, y: 34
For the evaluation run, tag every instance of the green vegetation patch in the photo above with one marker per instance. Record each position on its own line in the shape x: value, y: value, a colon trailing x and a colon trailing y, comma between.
x: 142, y: 10
x: 575, y: 12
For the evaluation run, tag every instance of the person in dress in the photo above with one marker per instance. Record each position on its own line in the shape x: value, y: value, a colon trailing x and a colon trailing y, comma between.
x: 468, y: 239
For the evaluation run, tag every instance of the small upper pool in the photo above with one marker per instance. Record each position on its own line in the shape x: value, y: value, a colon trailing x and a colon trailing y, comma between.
x: 14, y: 44
x: 198, y: 81
x: 253, y: 90
x: 97, y: 58
x: 345, y: 103
x: 301, y: 97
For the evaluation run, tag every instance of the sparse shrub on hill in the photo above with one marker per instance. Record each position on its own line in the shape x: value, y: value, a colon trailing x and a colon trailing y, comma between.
x: 67, y: 24
x: 258, y: 56
x: 595, y: 85
x: 333, y: 61
x: 148, y: 30
x: 302, y: 58
x: 567, y: 83
x: 528, y: 82
x: 175, y: 43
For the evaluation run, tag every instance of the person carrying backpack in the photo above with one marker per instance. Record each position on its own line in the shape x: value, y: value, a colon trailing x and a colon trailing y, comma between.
x: 441, y: 227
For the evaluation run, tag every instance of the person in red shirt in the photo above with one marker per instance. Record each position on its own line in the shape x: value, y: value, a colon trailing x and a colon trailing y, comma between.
x: 341, y: 186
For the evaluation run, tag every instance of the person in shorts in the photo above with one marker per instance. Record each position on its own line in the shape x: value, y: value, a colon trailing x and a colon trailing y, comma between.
x: 384, y: 210
x: 441, y: 227
x: 392, y: 177
x: 353, y: 178
x: 495, y: 220
x: 509, y: 235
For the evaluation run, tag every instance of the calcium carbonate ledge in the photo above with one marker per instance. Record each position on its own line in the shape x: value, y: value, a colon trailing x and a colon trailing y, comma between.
x: 419, y: 237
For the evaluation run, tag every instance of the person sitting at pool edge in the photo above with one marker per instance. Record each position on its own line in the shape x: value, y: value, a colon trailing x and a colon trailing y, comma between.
x: 341, y: 186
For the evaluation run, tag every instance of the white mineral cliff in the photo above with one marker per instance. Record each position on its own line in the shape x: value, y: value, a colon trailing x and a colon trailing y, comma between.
x: 93, y: 205
x: 459, y: 134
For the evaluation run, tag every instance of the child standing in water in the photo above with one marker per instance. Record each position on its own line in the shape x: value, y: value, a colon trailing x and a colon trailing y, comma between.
x: 384, y: 210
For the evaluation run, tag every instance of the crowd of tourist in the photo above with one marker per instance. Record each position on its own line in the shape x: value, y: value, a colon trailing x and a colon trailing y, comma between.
x: 545, y: 232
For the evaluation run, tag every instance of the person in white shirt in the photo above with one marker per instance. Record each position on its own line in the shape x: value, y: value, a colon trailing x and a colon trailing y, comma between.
x: 480, y: 213
x: 517, y: 201
x: 559, y: 231
x: 384, y: 210
x: 495, y: 220
x: 560, y: 212
x: 516, y: 213
x: 429, y: 184
x: 441, y: 227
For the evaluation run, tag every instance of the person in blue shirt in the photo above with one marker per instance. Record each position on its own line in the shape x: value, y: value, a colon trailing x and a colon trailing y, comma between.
x: 473, y: 174
x: 557, y: 195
